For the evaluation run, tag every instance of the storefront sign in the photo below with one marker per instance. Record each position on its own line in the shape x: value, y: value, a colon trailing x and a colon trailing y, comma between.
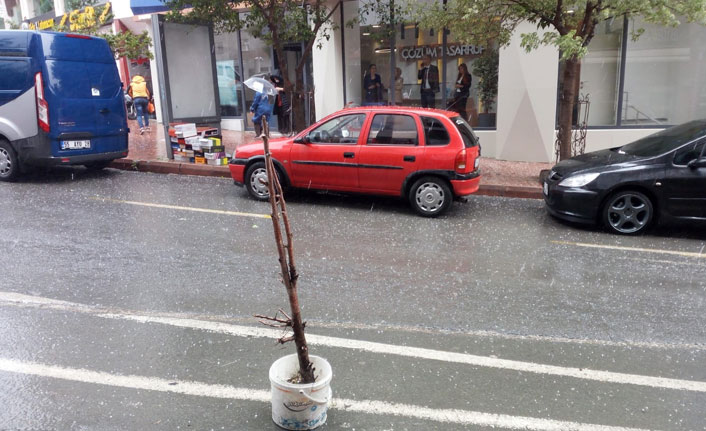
x: 77, y: 19
x: 436, y: 51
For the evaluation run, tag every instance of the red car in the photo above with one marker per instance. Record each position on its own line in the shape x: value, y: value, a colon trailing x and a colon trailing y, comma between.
x: 424, y: 155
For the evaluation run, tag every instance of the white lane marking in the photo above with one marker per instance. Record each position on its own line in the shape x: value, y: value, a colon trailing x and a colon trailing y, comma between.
x: 391, y: 349
x: 21, y: 300
x: 181, y: 208
x: 638, y: 249
x: 363, y: 406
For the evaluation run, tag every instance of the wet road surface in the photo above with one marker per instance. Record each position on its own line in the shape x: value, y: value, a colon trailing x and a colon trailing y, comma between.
x: 120, y: 289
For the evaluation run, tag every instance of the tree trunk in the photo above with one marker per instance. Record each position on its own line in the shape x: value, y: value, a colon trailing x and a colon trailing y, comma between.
x: 569, y: 88
x: 299, y: 108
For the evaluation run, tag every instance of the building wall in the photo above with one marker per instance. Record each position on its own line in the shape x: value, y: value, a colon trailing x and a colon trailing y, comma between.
x: 527, y: 88
x: 328, y: 71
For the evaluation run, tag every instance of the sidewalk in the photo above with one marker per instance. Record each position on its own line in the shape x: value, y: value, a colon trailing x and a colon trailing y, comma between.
x: 148, y: 153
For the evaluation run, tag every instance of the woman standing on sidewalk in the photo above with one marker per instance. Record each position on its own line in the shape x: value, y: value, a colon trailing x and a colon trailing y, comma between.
x: 140, y: 98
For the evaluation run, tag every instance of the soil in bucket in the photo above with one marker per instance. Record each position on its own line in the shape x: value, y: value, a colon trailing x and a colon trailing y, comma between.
x: 292, y: 409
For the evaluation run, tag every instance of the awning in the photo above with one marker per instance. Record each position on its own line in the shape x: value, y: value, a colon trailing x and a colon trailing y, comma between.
x: 140, y: 7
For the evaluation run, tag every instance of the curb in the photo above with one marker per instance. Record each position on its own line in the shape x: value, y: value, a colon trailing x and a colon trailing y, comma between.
x: 159, y: 167
x: 177, y: 168
x: 522, y: 192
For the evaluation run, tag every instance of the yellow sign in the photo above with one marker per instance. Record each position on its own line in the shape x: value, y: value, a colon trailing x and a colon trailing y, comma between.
x: 77, y: 19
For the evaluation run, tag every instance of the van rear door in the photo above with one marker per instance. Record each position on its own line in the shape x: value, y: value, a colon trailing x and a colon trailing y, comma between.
x: 85, y: 95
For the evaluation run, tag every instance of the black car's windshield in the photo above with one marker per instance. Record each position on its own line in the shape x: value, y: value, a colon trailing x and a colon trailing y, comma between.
x: 666, y: 140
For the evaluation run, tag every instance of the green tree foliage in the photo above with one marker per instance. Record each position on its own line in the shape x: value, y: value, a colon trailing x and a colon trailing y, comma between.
x: 570, y: 26
x: 276, y: 22
x: 129, y: 45
x: 78, y: 4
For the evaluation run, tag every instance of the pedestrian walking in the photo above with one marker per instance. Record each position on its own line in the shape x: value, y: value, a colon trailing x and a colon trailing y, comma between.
x: 140, y: 98
x: 261, y: 107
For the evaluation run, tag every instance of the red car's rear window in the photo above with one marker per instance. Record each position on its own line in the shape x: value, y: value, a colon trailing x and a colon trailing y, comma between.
x: 469, y: 138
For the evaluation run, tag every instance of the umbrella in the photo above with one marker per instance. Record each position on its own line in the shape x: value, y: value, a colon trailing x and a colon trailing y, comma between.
x: 261, y: 85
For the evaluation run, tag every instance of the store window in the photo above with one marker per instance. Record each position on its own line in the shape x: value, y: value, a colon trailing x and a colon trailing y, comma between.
x: 665, y: 75
x: 600, y: 74
x: 257, y: 61
x: 228, y: 73
x: 664, y: 81
x: 367, y: 43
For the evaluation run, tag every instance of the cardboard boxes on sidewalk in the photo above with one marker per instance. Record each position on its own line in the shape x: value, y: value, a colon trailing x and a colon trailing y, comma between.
x: 191, y: 144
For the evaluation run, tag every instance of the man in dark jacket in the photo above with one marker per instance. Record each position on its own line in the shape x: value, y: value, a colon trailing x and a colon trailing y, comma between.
x: 429, y: 74
x: 283, y: 107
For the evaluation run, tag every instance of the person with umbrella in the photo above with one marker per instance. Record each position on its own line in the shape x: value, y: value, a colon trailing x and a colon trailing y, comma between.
x: 261, y: 105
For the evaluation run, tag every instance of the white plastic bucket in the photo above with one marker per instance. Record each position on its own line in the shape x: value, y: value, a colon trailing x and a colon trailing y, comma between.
x: 300, y: 406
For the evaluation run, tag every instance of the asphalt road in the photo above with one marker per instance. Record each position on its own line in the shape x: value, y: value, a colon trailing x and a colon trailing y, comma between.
x: 125, y: 303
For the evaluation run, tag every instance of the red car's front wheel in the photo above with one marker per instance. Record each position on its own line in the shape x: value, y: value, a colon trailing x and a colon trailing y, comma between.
x: 256, y: 181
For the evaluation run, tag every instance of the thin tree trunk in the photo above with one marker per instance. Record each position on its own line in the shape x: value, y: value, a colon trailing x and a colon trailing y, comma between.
x: 299, y: 109
x: 569, y: 88
x: 286, y: 259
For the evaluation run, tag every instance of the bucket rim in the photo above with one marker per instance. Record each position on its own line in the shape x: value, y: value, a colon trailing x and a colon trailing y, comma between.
x: 325, y: 376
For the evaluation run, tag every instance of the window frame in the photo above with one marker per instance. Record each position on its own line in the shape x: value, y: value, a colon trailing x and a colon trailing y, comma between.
x: 621, y: 91
x: 422, y: 118
x: 338, y: 117
x: 414, y: 118
x: 696, y: 142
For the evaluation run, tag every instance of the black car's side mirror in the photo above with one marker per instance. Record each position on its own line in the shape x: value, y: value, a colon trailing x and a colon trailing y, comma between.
x: 302, y: 140
x: 697, y: 163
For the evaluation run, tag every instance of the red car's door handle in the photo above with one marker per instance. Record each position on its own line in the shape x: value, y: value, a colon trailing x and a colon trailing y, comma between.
x: 409, y: 158
x: 348, y: 155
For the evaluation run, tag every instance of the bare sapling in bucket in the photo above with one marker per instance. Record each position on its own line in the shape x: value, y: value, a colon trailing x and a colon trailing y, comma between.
x: 300, y: 383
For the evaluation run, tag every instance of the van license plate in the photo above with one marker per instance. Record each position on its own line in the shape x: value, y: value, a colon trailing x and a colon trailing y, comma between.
x: 75, y: 145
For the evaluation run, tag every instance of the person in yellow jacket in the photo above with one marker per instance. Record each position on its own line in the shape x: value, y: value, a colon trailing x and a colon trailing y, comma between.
x: 140, y: 98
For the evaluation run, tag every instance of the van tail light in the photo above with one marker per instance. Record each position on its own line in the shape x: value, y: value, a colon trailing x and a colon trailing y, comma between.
x: 42, y: 105
x: 461, y: 163
x: 77, y: 36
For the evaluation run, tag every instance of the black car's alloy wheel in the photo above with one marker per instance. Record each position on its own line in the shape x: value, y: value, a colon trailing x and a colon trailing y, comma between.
x: 627, y: 212
x: 9, y: 166
x: 430, y: 196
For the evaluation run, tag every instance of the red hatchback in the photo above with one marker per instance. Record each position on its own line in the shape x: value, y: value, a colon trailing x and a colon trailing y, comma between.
x: 426, y: 156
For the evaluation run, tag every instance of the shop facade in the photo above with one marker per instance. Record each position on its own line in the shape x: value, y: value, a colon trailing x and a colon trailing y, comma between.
x: 634, y: 88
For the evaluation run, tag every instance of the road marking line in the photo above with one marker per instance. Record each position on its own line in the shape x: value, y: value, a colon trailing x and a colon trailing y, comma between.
x: 230, y: 392
x: 181, y: 208
x: 390, y: 349
x: 622, y: 248
x: 20, y: 300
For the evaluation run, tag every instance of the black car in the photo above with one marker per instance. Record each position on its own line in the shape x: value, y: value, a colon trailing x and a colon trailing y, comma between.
x: 659, y: 177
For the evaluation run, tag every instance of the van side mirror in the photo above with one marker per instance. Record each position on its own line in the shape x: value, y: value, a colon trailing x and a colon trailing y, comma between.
x: 302, y: 140
x: 697, y: 163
